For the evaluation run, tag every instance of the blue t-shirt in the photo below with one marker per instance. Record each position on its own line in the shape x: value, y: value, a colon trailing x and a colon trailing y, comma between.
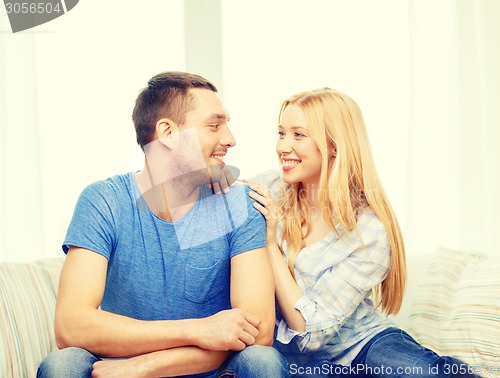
x: 164, y: 270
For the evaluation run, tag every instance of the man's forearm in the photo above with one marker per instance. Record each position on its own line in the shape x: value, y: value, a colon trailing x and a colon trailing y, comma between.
x: 109, y: 335
x: 184, y: 360
x: 166, y: 363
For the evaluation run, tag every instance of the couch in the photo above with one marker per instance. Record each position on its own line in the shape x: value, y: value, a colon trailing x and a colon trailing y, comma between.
x: 27, y: 303
x: 452, y: 305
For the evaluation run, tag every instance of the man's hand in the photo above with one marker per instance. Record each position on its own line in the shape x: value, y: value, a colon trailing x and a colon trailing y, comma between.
x: 228, y: 330
x: 119, y: 368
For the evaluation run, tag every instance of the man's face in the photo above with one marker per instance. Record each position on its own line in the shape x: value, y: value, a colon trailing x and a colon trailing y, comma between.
x: 209, y: 119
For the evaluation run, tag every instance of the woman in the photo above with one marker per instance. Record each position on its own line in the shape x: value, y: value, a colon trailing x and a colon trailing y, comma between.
x: 337, y: 253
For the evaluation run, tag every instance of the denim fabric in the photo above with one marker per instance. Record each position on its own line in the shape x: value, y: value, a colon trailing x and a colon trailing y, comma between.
x: 336, y: 279
x: 391, y: 353
x: 68, y: 363
x: 253, y: 362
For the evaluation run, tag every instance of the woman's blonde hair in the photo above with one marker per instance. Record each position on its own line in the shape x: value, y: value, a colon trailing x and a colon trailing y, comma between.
x: 348, y: 183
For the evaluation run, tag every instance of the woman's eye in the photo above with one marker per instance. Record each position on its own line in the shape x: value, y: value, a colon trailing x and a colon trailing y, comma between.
x: 299, y: 135
x: 281, y: 134
x: 214, y: 126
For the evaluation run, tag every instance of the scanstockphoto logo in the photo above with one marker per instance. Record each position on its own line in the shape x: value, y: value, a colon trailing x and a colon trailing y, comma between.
x: 25, y: 15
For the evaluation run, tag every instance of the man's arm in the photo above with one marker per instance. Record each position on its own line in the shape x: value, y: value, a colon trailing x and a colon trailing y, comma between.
x: 166, y: 363
x: 79, y: 321
x: 252, y: 289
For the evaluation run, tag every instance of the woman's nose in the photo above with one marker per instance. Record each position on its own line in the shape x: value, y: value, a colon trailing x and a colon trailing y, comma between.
x: 283, y: 146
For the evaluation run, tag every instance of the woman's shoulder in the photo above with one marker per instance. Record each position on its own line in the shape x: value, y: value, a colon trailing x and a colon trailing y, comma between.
x: 371, y: 229
x: 270, y: 179
x: 369, y: 220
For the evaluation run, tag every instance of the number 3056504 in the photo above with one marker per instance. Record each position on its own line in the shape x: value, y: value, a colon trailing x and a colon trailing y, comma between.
x: 33, y: 8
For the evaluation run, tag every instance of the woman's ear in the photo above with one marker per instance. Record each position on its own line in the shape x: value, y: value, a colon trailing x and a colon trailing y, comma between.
x: 332, y: 150
x: 333, y: 155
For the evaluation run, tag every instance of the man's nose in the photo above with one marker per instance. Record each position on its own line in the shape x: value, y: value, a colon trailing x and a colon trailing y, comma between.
x: 227, y: 138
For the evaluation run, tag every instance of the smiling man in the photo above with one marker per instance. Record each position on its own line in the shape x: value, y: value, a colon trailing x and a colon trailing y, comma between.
x: 163, y: 278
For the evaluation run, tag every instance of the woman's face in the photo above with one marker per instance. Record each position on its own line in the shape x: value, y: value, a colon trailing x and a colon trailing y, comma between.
x: 300, y: 158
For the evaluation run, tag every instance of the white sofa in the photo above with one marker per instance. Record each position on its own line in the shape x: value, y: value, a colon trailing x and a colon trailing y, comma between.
x: 27, y: 302
x: 452, y: 305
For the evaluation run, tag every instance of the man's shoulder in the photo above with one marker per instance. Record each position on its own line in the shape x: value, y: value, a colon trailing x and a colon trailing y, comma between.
x: 236, y: 194
x: 239, y: 189
x: 236, y: 206
x: 238, y: 199
x: 109, y: 189
x: 113, y: 183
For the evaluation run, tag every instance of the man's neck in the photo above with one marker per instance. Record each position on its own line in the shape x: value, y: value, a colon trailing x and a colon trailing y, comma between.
x: 170, y: 199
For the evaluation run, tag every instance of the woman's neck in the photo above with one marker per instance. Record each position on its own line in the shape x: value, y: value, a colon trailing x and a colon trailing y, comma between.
x: 311, y: 193
x: 317, y: 227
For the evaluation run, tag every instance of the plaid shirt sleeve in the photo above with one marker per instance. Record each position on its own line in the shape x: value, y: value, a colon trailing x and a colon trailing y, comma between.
x: 335, y: 277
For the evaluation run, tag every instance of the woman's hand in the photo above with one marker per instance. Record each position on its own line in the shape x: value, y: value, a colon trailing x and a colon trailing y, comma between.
x: 222, y: 177
x: 265, y: 204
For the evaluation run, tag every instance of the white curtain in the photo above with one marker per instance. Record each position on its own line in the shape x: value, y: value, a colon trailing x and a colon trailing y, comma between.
x: 21, y: 226
x: 454, y: 138
x: 67, y: 90
x: 65, y: 103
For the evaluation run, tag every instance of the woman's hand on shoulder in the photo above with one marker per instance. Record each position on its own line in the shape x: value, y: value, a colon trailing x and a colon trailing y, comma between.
x: 265, y: 204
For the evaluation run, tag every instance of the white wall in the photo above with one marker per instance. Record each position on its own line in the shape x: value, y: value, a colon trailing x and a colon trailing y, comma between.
x: 273, y: 49
x: 454, y: 123
x: 89, y: 67
x: 68, y: 88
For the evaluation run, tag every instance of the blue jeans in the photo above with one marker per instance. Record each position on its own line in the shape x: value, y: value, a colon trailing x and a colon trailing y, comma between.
x: 391, y: 353
x: 255, y: 361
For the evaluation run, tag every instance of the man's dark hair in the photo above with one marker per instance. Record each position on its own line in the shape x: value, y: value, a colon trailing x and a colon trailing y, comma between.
x: 165, y: 96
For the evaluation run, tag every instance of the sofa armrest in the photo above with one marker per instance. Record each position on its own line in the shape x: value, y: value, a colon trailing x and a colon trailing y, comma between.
x: 455, y: 308
x: 27, y: 304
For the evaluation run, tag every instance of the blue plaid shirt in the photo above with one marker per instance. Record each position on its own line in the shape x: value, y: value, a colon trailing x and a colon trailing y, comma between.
x: 336, y: 278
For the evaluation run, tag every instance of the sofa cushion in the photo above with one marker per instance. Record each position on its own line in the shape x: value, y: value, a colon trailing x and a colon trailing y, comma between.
x: 456, y: 309
x: 27, y: 302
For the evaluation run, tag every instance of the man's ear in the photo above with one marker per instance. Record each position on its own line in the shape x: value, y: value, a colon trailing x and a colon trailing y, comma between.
x: 165, y: 130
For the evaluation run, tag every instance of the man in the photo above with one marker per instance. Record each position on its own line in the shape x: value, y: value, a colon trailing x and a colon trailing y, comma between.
x: 161, y: 277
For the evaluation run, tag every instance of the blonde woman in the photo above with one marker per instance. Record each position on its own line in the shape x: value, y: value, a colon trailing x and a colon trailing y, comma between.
x: 336, y: 249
